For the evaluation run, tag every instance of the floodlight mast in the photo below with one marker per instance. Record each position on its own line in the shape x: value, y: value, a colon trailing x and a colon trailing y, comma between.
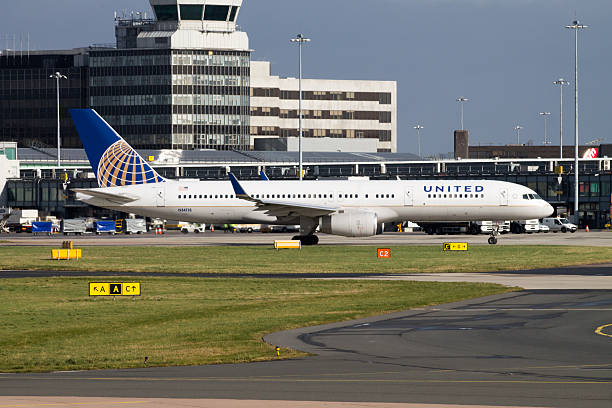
x: 561, y: 82
x: 300, y: 40
x: 518, y: 134
x: 57, y: 77
x: 418, y: 129
x: 576, y: 26
x: 461, y: 100
x: 545, y: 116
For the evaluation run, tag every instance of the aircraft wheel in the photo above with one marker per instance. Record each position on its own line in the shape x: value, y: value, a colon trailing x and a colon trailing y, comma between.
x: 492, y: 240
x: 307, y: 239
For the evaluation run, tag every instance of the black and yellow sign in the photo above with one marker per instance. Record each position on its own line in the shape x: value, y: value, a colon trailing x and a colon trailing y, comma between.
x: 455, y: 246
x: 114, y: 289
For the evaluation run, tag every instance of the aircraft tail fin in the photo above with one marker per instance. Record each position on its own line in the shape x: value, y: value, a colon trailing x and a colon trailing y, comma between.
x: 113, y: 160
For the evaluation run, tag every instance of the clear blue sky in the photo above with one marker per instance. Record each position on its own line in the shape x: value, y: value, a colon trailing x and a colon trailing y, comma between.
x: 501, y: 54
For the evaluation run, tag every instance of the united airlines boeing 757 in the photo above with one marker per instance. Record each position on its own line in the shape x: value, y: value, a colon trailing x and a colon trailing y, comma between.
x: 349, y: 208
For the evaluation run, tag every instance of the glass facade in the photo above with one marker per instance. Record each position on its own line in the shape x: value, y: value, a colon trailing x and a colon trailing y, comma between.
x: 28, y: 104
x: 185, y: 99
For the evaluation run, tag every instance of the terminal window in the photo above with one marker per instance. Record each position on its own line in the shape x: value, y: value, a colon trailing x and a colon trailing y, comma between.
x: 166, y: 13
x: 216, y: 13
x: 191, y: 12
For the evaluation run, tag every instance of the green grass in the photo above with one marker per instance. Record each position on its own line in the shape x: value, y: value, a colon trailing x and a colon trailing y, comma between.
x: 51, y: 324
x: 320, y: 259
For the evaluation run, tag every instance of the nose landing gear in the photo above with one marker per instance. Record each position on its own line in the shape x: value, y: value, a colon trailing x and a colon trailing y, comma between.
x: 494, y: 234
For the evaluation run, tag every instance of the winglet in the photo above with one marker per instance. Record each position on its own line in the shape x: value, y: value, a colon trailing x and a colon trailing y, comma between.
x: 240, y: 193
x: 263, y: 176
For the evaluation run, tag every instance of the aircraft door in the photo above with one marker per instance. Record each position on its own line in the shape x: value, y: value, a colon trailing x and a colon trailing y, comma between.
x: 160, y: 196
x: 503, y: 197
x: 408, y: 198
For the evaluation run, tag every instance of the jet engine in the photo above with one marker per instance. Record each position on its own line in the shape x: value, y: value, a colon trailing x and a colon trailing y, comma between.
x: 350, y: 223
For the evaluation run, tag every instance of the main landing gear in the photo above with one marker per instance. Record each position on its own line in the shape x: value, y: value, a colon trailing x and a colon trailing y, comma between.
x: 307, y: 239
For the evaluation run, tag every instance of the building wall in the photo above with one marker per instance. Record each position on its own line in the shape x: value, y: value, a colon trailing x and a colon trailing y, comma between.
x: 168, y: 98
x: 28, y: 105
x: 331, y: 108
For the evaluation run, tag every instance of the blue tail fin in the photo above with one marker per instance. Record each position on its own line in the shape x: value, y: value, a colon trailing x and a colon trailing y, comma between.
x: 113, y: 161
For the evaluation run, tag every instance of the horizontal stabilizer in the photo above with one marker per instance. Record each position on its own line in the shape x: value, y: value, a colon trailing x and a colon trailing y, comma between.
x: 104, y: 195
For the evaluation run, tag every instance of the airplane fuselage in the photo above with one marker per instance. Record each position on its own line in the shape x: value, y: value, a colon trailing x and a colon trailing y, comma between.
x: 431, y: 200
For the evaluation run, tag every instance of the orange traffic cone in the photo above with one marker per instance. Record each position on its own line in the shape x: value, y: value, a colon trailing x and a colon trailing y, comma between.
x: 212, y: 228
x: 587, y: 228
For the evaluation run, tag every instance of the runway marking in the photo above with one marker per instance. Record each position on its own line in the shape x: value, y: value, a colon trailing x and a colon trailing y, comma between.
x: 303, y: 380
x: 600, y: 330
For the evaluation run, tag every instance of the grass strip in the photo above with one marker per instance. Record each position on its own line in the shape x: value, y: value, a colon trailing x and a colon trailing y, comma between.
x: 51, y: 324
x: 319, y: 259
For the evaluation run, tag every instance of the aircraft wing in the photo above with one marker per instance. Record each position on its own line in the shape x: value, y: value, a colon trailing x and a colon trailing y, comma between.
x: 112, y: 197
x: 281, y: 208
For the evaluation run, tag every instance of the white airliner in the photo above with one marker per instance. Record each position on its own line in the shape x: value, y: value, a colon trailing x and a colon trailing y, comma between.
x: 348, y: 208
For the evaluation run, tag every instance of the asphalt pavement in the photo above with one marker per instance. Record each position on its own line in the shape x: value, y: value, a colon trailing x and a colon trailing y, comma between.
x: 529, y: 348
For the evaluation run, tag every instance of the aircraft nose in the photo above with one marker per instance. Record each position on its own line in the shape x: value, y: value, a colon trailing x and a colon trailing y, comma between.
x: 547, y: 209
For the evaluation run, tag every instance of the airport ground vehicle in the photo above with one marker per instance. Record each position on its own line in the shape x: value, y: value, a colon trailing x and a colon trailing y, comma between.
x: 131, y: 225
x: 42, y: 227
x: 559, y: 224
x: 474, y: 227
x: 76, y: 226
x: 107, y: 227
x: 544, y: 228
x: 188, y: 227
x: 525, y: 226
x: 21, y: 220
x: 247, y: 227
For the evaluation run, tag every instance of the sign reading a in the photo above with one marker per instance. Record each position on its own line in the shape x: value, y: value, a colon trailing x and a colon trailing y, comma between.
x: 384, y: 252
x: 455, y: 246
x: 114, y: 289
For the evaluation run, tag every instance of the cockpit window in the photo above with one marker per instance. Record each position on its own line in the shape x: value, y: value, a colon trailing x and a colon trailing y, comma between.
x: 525, y: 196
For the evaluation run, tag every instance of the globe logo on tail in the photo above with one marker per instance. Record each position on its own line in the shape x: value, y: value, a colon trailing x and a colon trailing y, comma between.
x: 120, y: 165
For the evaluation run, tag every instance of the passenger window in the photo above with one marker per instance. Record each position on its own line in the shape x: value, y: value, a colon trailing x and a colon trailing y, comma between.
x: 309, y: 196
x: 392, y: 195
x: 428, y: 195
x: 366, y: 196
x: 356, y: 195
x: 200, y: 196
x: 376, y: 195
x: 387, y: 195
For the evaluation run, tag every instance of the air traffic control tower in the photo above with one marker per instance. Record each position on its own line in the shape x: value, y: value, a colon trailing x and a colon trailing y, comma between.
x: 181, y: 80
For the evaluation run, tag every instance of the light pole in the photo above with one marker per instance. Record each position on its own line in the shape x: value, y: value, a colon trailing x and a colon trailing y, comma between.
x: 418, y: 129
x: 461, y: 100
x: 518, y: 134
x: 545, y: 115
x: 300, y: 39
x: 576, y: 26
x: 57, y: 77
x: 561, y: 82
